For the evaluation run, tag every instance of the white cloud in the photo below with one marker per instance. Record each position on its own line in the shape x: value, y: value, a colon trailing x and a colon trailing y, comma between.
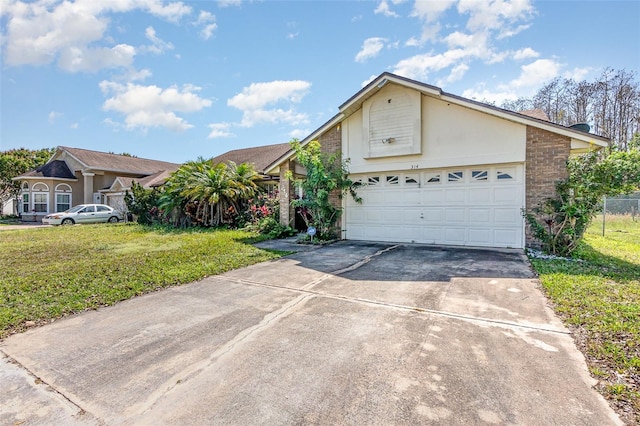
x: 254, y: 100
x: 412, y: 42
x: 525, y: 53
x: 53, y: 115
x: 535, y: 74
x: 532, y: 76
x: 73, y: 33
x: 299, y: 133
x: 384, y: 9
x: 159, y: 46
x: 75, y: 59
x: 151, y: 106
x: 370, y: 48
x: 369, y: 80
x: 577, y: 73
x: 208, y: 21
x: 74, y: 126
x: 227, y: 3
x: 456, y: 74
x: 220, y: 130
x: 430, y: 12
x: 419, y: 66
x: 291, y: 36
x: 494, y: 14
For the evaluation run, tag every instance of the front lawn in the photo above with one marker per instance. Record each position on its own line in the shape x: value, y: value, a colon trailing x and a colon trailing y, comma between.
x: 48, y: 273
x: 599, y: 299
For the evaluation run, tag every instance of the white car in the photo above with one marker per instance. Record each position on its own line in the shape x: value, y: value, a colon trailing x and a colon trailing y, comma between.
x: 84, y: 213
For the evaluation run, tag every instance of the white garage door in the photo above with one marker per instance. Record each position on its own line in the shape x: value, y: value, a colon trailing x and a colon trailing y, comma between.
x: 479, y: 206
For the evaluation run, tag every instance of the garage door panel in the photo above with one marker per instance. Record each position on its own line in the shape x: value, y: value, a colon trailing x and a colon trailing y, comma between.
x: 411, y: 196
x: 431, y: 234
x: 480, y: 195
x: 506, y: 195
x: 506, y: 238
x: 432, y: 196
x: 480, y: 216
x: 455, y: 215
x: 454, y: 236
x: 467, y: 211
x: 433, y: 215
x: 504, y: 216
x: 479, y: 236
x: 456, y: 195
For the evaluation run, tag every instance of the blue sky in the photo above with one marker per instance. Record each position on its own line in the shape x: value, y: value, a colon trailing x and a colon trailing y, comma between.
x: 175, y: 80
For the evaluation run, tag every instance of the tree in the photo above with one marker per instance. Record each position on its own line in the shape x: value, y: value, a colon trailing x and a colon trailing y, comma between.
x: 206, y: 194
x: 559, y: 222
x: 610, y: 104
x: 143, y: 203
x: 326, y: 175
x: 15, y: 162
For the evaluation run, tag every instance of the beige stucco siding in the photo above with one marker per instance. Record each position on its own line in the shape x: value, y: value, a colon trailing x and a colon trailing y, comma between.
x: 451, y: 135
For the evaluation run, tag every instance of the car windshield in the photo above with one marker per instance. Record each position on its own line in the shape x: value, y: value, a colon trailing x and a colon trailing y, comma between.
x: 75, y: 209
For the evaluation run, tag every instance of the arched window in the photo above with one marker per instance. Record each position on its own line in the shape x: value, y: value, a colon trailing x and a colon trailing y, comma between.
x: 63, y: 197
x: 26, y: 198
x: 40, y: 192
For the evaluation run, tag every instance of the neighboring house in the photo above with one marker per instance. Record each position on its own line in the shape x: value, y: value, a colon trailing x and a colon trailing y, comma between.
x: 77, y: 176
x: 8, y: 207
x: 438, y: 168
x: 260, y: 157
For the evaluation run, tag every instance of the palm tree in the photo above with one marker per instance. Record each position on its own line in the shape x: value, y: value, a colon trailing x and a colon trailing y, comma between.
x: 205, y: 191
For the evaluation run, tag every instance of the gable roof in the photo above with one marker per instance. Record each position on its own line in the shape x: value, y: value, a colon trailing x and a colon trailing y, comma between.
x: 261, y: 156
x: 152, y: 181
x: 354, y: 103
x: 96, y: 160
x: 56, y: 169
x: 535, y: 113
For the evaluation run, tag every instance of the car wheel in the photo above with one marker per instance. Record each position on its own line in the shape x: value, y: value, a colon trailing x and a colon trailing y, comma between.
x: 67, y: 221
x: 113, y: 219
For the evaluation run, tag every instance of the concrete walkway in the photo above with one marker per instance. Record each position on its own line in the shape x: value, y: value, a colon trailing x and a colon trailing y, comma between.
x: 351, y: 333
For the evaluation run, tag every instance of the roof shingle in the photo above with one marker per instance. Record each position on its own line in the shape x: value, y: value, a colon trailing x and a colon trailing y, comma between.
x: 260, y: 157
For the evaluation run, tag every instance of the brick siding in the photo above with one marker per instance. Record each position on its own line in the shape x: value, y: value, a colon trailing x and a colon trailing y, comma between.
x: 330, y: 143
x: 546, y: 163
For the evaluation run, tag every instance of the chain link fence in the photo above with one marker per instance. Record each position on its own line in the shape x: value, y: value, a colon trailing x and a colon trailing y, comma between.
x: 625, y: 205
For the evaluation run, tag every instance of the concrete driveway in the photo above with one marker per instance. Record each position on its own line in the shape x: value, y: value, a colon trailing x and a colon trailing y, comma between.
x: 351, y: 333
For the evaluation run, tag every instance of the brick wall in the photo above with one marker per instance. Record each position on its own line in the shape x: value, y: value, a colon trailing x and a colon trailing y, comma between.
x: 330, y: 143
x: 286, y: 193
x: 547, y: 155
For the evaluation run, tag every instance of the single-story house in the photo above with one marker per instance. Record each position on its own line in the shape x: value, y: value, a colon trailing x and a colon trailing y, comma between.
x: 439, y: 168
x: 260, y: 157
x: 75, y: 176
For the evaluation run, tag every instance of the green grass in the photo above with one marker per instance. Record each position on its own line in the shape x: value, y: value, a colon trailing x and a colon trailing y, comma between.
x: 599, y: 299
x: 48, y: 273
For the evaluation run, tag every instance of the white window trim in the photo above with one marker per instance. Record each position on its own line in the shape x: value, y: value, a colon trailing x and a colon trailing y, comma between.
x: 33, y: 201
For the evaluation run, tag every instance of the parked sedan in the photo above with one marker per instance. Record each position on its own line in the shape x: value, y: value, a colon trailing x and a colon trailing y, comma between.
x: 84, y: 213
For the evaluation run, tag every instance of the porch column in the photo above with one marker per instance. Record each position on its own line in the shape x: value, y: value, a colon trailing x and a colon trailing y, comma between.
x: 286, y: 192
x: 88, y: 187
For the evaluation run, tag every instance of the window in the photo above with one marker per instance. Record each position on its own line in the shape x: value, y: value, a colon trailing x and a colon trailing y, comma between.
x: 373, y: 180
x: 455, y: 176
x: 63, y: 202
x: 392, y: 180
x: 25, y: 186
x: 411, y: 180
x: 63, y: 197
x: 88, y: 209
x: 433, y: 177
x: 41, y: 202
x: 25, y: 203
x: 504, y: 175
x: 479, y: 175
x: 271, y: 189
x: 102, y: 209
